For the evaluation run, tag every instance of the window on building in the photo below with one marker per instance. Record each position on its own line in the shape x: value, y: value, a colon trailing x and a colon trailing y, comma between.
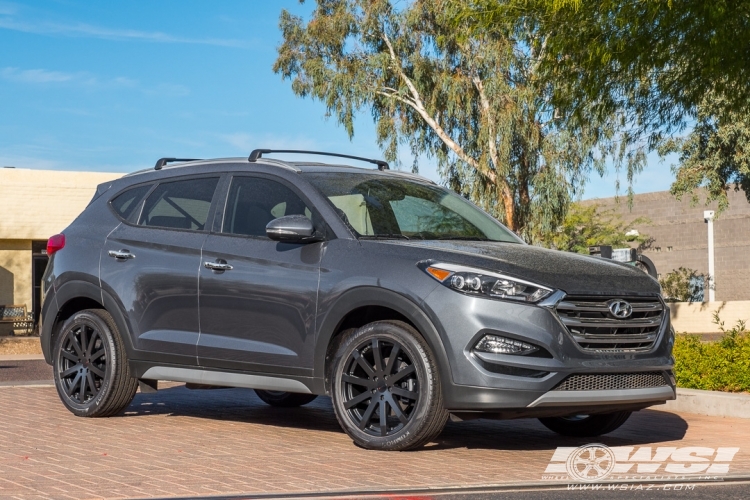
x: 180, y: 204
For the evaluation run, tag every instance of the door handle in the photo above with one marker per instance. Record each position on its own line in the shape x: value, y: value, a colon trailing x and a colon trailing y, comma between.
x: 121, y: 254
x: 218, y: 266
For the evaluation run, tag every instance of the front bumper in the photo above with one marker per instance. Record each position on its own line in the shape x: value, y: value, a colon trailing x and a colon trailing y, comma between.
x: 522, y: 385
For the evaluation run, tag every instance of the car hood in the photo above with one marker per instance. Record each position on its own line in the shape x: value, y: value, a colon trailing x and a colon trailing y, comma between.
x: 572, y: 273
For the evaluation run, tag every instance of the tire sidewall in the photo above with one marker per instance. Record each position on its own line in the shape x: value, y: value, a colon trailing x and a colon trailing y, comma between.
x: 417, y: 351
x: 94, y: 321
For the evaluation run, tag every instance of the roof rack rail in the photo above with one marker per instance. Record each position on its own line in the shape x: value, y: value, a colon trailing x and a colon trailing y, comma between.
x: 258, y: 153
x: 163, y: 161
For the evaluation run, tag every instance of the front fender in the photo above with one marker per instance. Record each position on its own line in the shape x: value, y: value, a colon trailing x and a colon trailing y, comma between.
x: 372, y: 296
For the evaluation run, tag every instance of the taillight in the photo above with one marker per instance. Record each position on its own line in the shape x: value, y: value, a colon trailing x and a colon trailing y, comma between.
x: 55, y: 243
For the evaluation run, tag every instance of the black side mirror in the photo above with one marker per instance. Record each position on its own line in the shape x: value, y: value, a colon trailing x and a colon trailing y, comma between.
x: 293, y: 229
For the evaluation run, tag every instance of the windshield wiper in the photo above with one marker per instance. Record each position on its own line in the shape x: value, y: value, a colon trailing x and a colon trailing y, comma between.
x: 386, y: 236
x: 463, y: 238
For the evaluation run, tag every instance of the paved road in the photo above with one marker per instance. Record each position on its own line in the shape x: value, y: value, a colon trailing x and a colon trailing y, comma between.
x: 25, y: 371
x: 186, y: 443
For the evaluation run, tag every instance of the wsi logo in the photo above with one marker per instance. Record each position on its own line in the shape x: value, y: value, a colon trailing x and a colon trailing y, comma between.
x: 596, y: 462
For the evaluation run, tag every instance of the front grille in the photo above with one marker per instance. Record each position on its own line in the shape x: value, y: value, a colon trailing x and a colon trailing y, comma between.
x: 594, y: 327
x: 611, y: 381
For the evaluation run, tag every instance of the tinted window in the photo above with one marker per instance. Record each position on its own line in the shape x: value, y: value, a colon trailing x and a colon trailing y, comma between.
x: 383, y: 206
x: 180, y: 204
x: 125, y: 202
x: 253, y: 202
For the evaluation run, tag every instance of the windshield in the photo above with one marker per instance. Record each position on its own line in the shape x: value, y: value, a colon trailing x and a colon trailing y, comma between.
x: 380, y: 206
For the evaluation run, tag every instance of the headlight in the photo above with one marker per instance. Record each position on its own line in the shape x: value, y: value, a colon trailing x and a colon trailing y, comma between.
x: 489, y: 284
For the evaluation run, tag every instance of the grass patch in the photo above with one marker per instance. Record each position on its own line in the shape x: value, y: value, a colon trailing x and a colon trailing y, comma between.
x: 723, y: 365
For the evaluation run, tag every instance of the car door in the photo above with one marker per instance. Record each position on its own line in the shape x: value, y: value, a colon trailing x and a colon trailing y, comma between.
x: 258, y: 297
x: 151, y: 261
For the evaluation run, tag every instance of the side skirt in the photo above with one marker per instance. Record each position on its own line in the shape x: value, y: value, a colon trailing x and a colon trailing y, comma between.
x: 225, y: 379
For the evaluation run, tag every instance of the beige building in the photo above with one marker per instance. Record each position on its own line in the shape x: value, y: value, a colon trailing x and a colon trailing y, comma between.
x: 680, y: 237
x: 34, y: 205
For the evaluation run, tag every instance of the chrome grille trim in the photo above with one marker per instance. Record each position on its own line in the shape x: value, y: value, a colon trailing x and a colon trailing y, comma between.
x: 592, y: 326
x: 612, y: 381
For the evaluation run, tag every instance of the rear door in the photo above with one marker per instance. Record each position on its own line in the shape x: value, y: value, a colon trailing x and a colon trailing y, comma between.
x: 257, y: 296
x: 151, y: 261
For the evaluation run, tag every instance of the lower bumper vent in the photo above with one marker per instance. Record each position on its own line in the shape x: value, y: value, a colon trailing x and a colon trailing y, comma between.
x: 611, y: 381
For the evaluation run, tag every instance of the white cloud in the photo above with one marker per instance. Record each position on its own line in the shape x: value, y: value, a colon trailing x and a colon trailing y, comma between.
x: 88, y: 30
x: 86, y: 79
x: 37, y: 75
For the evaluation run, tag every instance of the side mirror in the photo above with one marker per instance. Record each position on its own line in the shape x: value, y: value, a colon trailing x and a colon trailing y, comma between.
x: 292, y: 229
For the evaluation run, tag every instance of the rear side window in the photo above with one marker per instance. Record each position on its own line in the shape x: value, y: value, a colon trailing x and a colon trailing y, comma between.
x: 124, y: 203
x: 180, y: 204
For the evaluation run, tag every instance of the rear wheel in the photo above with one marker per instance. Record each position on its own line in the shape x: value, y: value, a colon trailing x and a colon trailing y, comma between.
x: 90, y: 366
x: 284, y: 399
x: 386, y: 389
x: 586, y: 425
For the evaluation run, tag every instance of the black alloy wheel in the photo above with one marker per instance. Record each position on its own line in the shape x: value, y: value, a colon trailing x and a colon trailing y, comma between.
x: 90, y: 366
x: 381, y: 387
x: 284, y: 399
x: 82, y: 364
x: 385, y: 387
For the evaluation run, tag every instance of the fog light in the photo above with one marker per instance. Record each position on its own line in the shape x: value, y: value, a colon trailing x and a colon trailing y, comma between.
x: 502, y: 345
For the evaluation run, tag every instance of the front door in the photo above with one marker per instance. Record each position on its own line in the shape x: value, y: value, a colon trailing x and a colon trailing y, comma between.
x: 152, y: 267
x: 258, y: 296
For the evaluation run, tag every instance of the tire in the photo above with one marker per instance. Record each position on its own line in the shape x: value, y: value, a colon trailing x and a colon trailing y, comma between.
x: 90, y: 367
x: 393, y: 401
x: 284, y: 399
x: 586, y: 425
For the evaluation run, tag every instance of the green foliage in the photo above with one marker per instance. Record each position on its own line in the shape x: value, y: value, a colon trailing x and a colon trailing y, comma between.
x: 682, y: 284
x: 473, y: 101
x: 589, y: 225
x: 715, y: 155
x: 653, y: 62
x: 714, y: 366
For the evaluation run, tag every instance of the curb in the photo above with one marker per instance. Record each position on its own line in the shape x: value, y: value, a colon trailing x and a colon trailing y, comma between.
x: 21, y: 357
x: 711, y: 403
x: 28, y: 383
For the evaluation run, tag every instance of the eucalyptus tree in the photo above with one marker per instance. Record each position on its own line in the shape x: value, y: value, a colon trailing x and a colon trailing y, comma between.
x: 667, y: 66
x: 471, y: 100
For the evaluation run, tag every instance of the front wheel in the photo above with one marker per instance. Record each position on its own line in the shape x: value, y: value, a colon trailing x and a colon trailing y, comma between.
x: 90, y: 366
x: 386, y: 389
x: 586, y: 425
x: 284, y: 399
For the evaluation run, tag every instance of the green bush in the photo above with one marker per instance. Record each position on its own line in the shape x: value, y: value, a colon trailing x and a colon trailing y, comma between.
x: 723, y: 365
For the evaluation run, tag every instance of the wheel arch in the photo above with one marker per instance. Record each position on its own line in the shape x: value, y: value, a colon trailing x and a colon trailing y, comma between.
x: 363, y: 305
x: 75, y: 296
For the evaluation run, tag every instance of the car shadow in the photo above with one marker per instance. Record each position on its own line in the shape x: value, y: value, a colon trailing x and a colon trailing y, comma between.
x: 242, y: 405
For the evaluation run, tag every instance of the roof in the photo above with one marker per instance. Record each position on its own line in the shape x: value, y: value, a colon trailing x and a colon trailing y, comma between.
x: 297, y: 166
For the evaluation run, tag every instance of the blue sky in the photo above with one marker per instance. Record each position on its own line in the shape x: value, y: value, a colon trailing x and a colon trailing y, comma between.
x: 113, y: 86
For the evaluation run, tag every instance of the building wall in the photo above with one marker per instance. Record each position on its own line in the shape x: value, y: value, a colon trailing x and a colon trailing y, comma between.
x: 34, y: 205
x: 39, y: 203
x: 680, y: 237
x: 15, y: 272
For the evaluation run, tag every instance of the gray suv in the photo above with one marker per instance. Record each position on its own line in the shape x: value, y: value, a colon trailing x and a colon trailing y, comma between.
x: 399, y: 299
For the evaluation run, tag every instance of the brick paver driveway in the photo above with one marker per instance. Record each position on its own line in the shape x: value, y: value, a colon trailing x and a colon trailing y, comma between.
x: 182, y: 442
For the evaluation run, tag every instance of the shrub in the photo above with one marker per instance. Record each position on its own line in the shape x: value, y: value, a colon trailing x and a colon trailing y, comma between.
x: 723, y: 365
x: 683, y: 285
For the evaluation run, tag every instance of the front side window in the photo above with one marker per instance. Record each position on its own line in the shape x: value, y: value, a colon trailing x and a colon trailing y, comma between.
x: 386, y: 207
x: 180, y: 204
x: 253, y: 202
x: 126, y: 202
